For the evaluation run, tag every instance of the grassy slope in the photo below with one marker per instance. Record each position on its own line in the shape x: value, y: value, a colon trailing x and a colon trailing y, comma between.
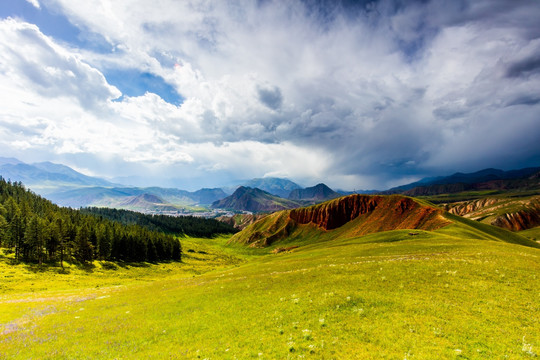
x: 533, y: 234
x: 475, y: 195
x: 505, y: 204
x: 391, y: 295
x: 299, y: 234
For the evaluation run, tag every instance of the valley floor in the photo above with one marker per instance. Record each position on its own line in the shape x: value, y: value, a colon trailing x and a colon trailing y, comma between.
x: 389, y: 295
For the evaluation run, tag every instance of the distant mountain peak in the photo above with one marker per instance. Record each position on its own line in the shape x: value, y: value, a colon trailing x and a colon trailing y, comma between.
x: 47, y: 175
x: 275, y: 186
x: 317, y: 193
x: 255, y: 200
x: 9, y: 161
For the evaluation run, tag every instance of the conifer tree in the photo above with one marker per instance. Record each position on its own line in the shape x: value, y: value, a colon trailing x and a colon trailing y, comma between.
x: 82, y: 248
x: 3, y: 230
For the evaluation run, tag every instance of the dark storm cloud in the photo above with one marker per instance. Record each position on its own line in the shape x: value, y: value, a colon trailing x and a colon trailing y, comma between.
x: 524, y: 100
x: 524, y: 67
x: 270, y: 97
x: 367, y: 93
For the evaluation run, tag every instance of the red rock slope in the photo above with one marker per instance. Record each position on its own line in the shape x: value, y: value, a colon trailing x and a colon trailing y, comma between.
x: 347, y: 216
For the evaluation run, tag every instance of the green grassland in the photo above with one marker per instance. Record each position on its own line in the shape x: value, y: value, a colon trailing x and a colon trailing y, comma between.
x: 479, y: 194
x: 533, y: 234
x: 461, y: 292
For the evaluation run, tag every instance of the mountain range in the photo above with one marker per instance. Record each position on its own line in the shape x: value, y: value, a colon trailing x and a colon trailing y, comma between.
x: 254, y: 200
x: 67, y: 187
x: 45, y: 177
x: 275, y: 186
x: 487, y: 179
x: 152, y: 199
x: 257, y: 200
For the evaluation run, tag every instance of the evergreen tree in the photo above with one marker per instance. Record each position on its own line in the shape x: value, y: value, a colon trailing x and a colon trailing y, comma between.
x: 104, y: 240
x: 16, y: 232
x: 4, y: 226
x: 82, y: 248
x: 34, y: 240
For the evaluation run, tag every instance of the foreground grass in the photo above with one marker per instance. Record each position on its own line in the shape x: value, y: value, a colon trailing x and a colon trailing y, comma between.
x: 388, y: 295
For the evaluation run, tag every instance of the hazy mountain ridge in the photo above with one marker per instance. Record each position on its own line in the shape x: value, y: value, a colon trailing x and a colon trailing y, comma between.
x: 275, y: 186
x: 46, y: 174
x: 315, y: 194
x: 67, y: 187
x: 120, y: 197
x: 254, y: 200
x: 487, y: 179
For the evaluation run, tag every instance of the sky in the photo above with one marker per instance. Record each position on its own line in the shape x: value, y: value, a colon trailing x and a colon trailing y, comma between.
x: 192, y: 94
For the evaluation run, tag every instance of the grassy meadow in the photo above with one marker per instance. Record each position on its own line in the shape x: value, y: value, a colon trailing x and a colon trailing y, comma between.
x: 455, y: 293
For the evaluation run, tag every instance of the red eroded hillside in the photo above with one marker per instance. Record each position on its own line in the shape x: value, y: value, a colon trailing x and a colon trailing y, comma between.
x: 378, y: 213
x: 347, y: 216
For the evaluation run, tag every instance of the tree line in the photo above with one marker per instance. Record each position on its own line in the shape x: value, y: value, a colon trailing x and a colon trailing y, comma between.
x: 187, y: 225
x: 36, y: 230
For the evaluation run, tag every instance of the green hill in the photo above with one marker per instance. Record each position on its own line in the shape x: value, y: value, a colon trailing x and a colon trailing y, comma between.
x: 357, y: 215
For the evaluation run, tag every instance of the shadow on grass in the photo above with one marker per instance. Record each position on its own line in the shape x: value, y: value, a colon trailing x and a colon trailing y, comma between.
x: 38, y: 268
x: 55, y: 267
x: 127, y: 264
x: 88, y: 267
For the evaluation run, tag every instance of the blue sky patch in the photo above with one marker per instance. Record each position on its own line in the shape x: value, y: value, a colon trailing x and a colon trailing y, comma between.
x: 132, y: 82
x: 55, y: 25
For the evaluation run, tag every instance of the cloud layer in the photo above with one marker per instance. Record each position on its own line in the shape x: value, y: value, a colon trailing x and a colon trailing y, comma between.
x: 359, y: 96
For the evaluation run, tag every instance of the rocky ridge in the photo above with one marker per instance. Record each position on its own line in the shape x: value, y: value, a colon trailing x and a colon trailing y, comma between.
x: 351, y: 216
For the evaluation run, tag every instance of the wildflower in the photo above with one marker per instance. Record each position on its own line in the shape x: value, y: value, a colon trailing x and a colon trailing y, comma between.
x: 291, y: 346
x: 527, y: 348
x: 307, y: 334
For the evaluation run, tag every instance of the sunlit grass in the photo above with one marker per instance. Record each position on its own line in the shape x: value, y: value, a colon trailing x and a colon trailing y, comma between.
x: 387, y: 295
